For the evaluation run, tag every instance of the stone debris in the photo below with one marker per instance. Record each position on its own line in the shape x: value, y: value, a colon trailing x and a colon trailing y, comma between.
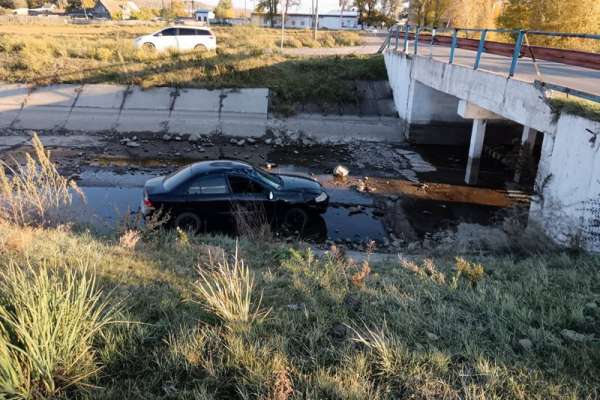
x: 241, y: 142
x: 251, y: 140
x: 341, y: 171
x: 575, y: 336
x: 525, y: 344
x: 166, y: 137
x: 131, y: 143
x: 296, y: 307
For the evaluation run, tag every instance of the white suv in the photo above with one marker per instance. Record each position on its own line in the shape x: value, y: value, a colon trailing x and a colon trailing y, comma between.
x: 179, y: 38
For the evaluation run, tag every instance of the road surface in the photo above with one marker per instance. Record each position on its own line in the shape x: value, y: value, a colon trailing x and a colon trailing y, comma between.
x: 583, y: 79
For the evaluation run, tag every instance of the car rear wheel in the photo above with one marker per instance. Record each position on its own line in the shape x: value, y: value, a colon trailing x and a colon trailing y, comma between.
x: 295, y: 220
x: 189, y: 222
x: 200, y: 47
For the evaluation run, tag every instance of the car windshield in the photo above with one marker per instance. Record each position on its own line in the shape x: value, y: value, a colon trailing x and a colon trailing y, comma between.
x: 176, y: 178
x: 272, y: 181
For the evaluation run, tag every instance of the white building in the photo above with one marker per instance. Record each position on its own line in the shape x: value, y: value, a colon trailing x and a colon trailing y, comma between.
x: 329, y: 20
x: 204, y: 15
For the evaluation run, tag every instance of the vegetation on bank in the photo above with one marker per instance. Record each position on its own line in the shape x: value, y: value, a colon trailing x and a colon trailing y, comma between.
x: 147, y: 313
x: 247, y: 57
x: 576, y: 106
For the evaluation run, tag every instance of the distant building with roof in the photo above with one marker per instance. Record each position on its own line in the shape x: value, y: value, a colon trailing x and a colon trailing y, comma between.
x: 328, y: 20
x: 204, y: 15
x: 113, y: 9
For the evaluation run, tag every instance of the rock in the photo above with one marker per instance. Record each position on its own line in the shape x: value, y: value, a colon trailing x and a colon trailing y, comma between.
x: 278, y: 142
x: 178, y: 138
x: 296, y: 307
x: 241, y: 142
x: 251, y: 140
x: 296, y: 152
x: 340, y: 171
x: 132, y: 144
x: 233, y: 141
x: 432, y: 336
x: 352, y: 302
x: 412, y: 246
x: 194, y: 137
x: 525, y: 344
x: 166, y: 137
x: 268, y: 141
x: 575, y: 336
x: 338, y: 331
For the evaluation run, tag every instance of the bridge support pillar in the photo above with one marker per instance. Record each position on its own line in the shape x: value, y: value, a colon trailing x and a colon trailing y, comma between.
x: 527, y: 142
x: 475, y: 150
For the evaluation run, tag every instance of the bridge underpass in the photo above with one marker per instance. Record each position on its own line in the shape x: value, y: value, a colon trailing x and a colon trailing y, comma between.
x: 430, y: 92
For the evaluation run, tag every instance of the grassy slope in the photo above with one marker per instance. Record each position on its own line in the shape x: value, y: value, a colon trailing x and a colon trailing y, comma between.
x: 440, y: 340
x: 247, y: 57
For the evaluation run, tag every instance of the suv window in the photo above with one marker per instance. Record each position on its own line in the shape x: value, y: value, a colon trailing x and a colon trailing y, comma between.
x: 243, y: 185
x: 169, y: 32
x: 202, y: 32
x: 186, y: 32
x: 212, y: 184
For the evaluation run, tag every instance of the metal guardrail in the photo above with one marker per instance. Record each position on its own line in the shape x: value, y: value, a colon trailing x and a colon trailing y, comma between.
x: 400, y: 36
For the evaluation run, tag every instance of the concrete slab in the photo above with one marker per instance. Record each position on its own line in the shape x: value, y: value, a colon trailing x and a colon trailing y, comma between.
x: 47, y: 107
x: 146, y: 110
x: 73, y: 141
x: 97, y: 108
x: 243, y: 125
x: 245, y: 101
x: 196, y: 111
x: 12, y: 97
x: 339, y: 129
x: 7, y: 142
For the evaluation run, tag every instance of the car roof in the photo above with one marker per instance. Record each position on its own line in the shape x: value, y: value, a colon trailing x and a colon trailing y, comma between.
x: 203, y: 167
x: 204, y: 28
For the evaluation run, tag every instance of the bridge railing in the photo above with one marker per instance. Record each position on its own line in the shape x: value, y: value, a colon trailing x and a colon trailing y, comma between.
x: 400, y: 38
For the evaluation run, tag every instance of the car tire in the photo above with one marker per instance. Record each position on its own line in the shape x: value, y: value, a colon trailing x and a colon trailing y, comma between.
x: 200, y: 47
x: 188, y: 222
x: 149, y: 46
x: 295, y: 219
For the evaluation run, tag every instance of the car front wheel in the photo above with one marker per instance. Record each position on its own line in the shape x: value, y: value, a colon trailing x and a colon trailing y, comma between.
x: 295, y: 220
x: 149, y: 46
x: 188, y: 222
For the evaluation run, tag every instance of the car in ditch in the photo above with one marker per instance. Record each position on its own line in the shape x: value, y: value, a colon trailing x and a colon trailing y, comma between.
x: 210, y: 195
x: 182, y: 38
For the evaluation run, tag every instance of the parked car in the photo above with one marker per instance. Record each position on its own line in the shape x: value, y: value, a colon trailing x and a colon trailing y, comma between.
x: 212, y: 194
x: 181, y: 38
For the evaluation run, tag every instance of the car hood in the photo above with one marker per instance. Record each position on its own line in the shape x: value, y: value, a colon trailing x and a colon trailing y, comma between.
x: 298, y: 183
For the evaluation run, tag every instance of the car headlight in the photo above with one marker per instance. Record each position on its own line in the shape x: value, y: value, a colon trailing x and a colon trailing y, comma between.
x: 320, y: 198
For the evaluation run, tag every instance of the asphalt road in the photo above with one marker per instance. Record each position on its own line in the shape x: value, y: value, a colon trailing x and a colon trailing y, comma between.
x: 583, y: 79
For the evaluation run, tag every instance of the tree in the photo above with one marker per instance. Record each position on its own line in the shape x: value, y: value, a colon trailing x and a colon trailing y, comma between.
x: 224, y: 9
x: 269, y: 7
x: 474, y: 13
x: 366, y: 11
x: 175, y: 9
x: 285, y: 5
x: 343, y: 5
x: 575, y: 16
x: 429, y: 12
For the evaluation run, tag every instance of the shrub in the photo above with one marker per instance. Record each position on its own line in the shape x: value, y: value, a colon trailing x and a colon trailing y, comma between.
x: 471, y: 271
x: 49, y: 320
x: 33, y: 193
x: 225, y: 289
x: 292, y: 42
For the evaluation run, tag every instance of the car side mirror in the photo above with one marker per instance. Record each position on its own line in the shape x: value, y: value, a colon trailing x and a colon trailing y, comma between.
x: 271, y: 196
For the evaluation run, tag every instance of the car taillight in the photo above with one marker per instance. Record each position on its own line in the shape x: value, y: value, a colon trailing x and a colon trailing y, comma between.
x: 147, y: 201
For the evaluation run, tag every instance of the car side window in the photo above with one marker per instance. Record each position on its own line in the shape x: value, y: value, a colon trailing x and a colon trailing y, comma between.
x: 243, y: 185
x: 212, y: 184
x: 169, y: 32
x: 202, y: 32
x: 186, y: 32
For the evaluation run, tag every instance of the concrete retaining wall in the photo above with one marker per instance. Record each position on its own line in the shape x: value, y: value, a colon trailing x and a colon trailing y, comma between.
x: 568, y: 207
x: 118, y: 108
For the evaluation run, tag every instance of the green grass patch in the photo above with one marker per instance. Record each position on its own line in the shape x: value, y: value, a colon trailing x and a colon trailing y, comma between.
x: 575, y: 106
x: 438, y: 328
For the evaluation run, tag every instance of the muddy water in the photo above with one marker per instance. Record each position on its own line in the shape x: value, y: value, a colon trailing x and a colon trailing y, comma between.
x: 111, y: 196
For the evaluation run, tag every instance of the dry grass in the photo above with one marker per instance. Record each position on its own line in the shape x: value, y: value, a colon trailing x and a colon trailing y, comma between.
x: 226, y: 289
x: 34, y: 192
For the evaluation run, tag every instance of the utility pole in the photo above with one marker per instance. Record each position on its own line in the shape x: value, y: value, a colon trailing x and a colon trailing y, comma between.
x: 283, y: 11
x: 316, y: 19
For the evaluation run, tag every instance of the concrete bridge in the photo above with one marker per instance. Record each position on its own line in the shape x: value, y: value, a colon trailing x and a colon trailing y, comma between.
x: 445, y: 94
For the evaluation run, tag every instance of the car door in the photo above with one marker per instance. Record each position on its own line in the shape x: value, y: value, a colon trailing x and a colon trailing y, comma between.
x: 250, y: 201
x: 209, y: 197
x: 186, y: 39
x: 166, y: 39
